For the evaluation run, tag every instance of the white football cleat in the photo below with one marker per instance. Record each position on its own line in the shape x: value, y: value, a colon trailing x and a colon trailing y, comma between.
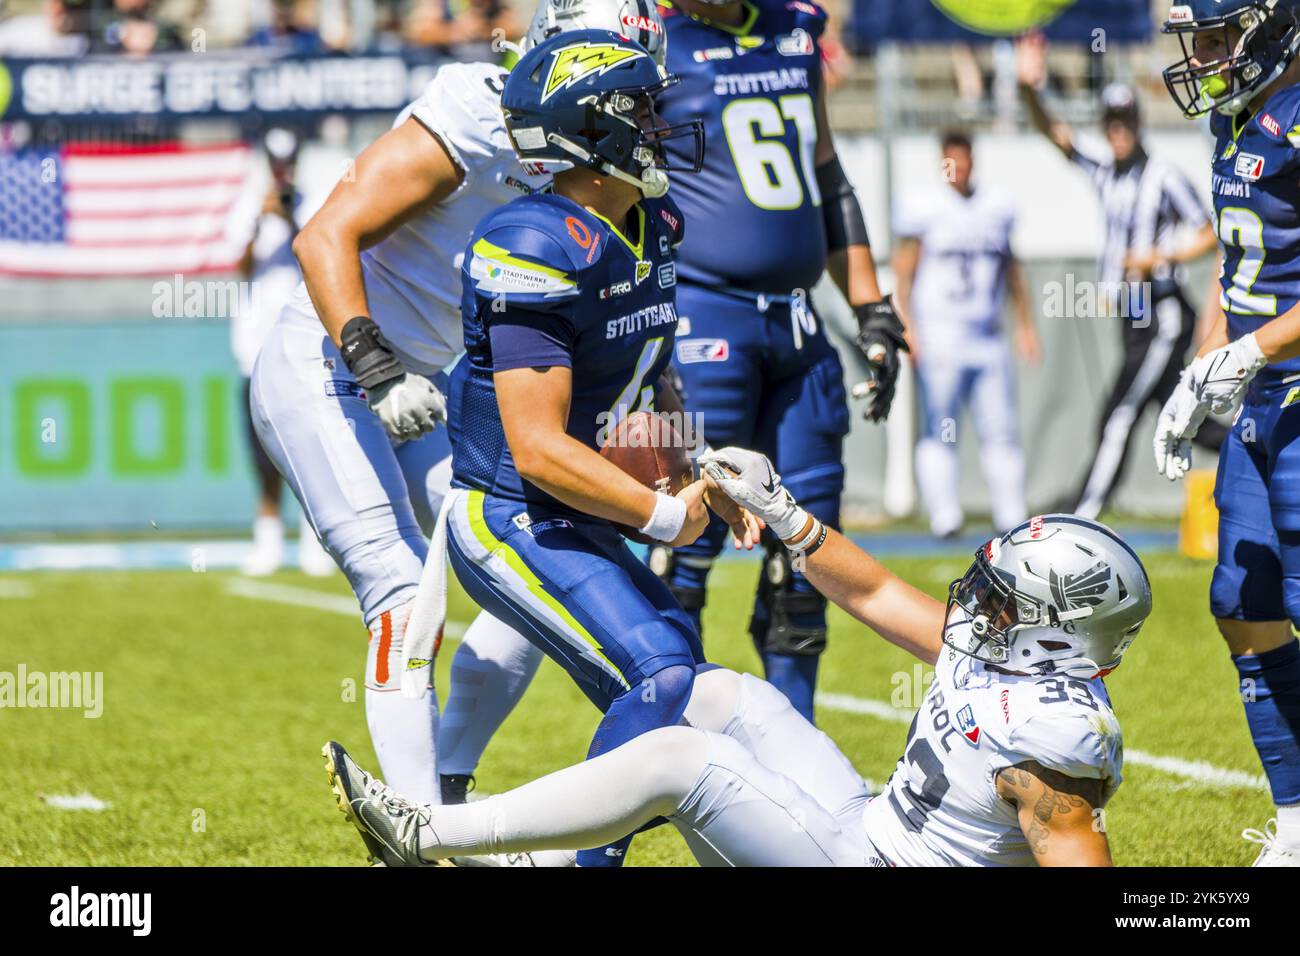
x: 388, y: 823
x: 1274, y: 853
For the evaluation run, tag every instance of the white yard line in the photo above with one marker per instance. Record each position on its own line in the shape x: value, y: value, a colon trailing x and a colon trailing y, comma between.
x: 1194, y: 771
x: 81, y: 801
x: 316, y: 600
x: 12, y: 588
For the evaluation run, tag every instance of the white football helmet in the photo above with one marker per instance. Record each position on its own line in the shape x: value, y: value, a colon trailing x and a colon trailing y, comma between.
x: 1058, y: 594
x: 638, y: 20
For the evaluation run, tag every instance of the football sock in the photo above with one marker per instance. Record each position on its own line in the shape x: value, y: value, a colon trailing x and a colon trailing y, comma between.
x: 1270, y: 690
x: 794, y: 675
x: 1288, y: 825
x: 490, y: 671
x: 659, y: 702
x: 403, y: 730
x: 1004, y: 471
x: 588, y: 804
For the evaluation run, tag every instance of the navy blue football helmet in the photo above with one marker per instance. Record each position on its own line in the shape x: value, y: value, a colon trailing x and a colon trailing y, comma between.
x: 586, y: 98
x: 1259, y: 40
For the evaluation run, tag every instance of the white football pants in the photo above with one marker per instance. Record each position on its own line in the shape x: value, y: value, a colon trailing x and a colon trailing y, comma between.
x: 976, y: 375
x: 368, y: 496
x: 749, y: 782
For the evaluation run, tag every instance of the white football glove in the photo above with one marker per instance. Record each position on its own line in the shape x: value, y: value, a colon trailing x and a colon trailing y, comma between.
x: 747, y: 478
x: 408, y: 406
x: 1220, y: 378
x: 1176, y: 427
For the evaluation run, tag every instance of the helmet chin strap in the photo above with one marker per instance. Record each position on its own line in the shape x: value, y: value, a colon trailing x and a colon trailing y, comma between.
x: 653, y: 182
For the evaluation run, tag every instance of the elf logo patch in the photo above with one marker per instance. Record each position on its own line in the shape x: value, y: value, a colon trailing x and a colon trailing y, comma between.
x: 1250, y: 167
x: 1270, y: 124
x: 966, y: 723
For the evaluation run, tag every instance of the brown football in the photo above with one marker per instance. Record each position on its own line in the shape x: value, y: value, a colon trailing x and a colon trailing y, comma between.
x: 647, y: 446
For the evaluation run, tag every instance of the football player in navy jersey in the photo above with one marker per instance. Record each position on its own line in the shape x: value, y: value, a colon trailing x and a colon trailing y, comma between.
x: 569, y: 323
x: 1240, y: 65
x: 771, y: 210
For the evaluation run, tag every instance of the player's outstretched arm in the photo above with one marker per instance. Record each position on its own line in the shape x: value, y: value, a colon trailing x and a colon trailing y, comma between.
x: 1031, y: 71
x: 1059, y: 815
x: 534, y: 406
x: 838, y: 568
x: 404, y: 172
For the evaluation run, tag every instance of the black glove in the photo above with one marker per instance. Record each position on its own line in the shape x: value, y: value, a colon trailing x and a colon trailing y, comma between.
x: 880, y: 341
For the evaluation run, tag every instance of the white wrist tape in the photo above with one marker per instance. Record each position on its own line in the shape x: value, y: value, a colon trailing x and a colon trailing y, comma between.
x: 669, y: 516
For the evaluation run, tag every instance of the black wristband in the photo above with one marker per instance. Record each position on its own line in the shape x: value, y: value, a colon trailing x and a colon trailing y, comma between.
x: 367, y: 355
x: 841, y: 211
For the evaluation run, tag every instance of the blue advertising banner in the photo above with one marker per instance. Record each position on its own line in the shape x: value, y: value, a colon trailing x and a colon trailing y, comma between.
x: 180, y: 86
x: 122, y: 426
x: 946, y: 21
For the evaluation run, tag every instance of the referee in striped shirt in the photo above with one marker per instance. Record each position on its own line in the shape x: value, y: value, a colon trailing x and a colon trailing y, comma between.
x: 1145, y: 201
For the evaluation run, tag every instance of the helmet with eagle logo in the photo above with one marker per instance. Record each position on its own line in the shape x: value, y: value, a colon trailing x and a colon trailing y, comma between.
x: 1059, y: 594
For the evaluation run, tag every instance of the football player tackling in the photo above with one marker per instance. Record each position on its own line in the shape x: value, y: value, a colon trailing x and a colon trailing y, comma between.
x: 1241, y: 65
x: 346, y: 392
x: 1011, y: 757
x: 569, y: 321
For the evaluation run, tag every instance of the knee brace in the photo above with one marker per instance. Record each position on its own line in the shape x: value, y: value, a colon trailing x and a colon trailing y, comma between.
x: 664, y: 562
x: 780, y: 634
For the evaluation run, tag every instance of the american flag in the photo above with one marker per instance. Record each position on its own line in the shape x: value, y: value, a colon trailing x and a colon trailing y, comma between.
x: 122, y: 210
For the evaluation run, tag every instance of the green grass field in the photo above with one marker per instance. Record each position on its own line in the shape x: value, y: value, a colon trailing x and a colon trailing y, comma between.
x: 215, y: 708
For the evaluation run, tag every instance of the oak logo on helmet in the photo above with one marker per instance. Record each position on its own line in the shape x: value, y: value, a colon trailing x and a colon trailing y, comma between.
x: 571, y: 64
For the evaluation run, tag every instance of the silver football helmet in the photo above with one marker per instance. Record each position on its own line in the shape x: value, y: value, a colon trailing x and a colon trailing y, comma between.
x: 638, y: 20
x: 1058, y: 594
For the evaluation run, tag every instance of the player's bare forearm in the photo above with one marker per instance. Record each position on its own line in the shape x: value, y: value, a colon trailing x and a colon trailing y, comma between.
x: 1279, y: 339
x: 866, y: 589
x: 907, y: 256
x: 1204, y: 242
x: 1059, y: 815
x: 402, y: 173
x: 1018, y: 286
x: 534, y: 407
x: 853, y: 270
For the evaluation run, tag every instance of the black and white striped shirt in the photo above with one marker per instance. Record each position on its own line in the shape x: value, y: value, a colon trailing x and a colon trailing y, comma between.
x: 1144, y: 203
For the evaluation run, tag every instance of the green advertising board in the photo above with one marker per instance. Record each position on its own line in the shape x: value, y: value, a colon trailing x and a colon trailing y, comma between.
x: 119, y: 426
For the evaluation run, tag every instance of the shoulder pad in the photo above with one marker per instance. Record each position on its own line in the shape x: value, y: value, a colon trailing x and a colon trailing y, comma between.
x: 461, y: 105
x: 1067, y: 737
x: 669, y: 217
x: 516, y: 252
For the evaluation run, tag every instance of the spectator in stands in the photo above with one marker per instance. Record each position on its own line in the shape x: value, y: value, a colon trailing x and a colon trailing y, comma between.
x: 135, y: 29
x: 469, y: 26
x: 291, y: 30
x: 61, y: 29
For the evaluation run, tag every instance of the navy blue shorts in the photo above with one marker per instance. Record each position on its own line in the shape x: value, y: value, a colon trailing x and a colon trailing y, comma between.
x: 1258, y: 495
x: 572, y: 587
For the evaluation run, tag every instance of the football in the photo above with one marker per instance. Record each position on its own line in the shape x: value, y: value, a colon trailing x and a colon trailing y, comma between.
x: 646, y: 446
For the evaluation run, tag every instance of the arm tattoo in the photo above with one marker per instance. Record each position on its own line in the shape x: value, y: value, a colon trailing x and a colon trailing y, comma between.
x: 1047, y: 793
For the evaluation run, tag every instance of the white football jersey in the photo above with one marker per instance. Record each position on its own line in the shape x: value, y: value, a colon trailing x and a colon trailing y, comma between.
x: 413, y: 276
x: 941, y: 806
x: 960, y: 283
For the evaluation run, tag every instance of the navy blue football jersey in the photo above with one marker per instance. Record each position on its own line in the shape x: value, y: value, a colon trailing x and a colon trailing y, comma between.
x: 1257, y: 208
x: 546, y: 282
x: 755, y: 211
